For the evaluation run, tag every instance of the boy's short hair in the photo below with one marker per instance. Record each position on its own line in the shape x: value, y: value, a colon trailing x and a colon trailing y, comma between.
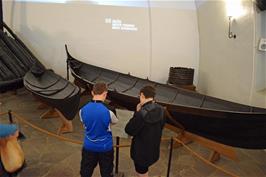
x: 148, y: 91
x: 99, y: 88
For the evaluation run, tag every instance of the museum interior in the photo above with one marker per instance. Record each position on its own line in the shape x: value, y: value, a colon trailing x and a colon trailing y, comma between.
x: 125, y: 88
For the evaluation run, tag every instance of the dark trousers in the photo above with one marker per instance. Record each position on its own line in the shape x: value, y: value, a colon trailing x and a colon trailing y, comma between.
x: 90, y: 160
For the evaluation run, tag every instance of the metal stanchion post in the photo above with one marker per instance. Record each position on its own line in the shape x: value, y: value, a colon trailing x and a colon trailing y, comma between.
x: 117, y: 155
x: 10, y: 117
x: 21, y: 136
x: 170, y: 158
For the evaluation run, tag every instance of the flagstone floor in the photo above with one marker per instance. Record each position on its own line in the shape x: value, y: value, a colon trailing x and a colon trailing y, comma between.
x: 48, y: 156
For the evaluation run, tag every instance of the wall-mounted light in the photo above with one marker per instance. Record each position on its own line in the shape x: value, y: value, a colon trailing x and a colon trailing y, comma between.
x: 234, y: 11
x: 230, y: 33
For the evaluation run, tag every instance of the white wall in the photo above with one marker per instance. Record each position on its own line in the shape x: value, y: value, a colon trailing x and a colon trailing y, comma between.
x: 260, y: 58
x: 175, y: 40
x: 230, y: 68
x: 157, y: 45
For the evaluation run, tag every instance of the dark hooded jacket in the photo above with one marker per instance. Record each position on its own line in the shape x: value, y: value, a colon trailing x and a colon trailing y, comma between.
x: 146, y: 128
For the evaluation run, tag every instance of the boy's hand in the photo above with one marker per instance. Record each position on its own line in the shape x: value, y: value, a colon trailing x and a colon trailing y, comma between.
x: 138, y: 107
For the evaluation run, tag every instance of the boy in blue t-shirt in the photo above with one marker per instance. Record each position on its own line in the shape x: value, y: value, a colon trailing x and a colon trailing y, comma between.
x: 98, y: 143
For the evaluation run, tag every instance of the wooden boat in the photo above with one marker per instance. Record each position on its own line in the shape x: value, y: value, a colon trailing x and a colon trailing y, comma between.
x: 53, y: 90
x: 222, y: 121
x: 15, y: 60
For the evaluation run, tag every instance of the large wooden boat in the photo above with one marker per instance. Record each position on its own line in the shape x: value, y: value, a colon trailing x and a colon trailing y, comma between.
x: 223, y: 121
x: 15, y: 60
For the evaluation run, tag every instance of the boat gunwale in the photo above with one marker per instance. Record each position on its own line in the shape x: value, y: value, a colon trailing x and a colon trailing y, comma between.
x: 52, y: 84
x: 45, y: 96
x: 51, y: 90
x: 50, y: 96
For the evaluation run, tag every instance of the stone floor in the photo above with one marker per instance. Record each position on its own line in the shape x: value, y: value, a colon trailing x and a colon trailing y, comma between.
x: 49, y: 157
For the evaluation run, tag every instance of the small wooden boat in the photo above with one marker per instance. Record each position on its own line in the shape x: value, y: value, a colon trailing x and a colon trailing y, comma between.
x: 53, y: 90
x: 15, y: 60
x: 222, y: 121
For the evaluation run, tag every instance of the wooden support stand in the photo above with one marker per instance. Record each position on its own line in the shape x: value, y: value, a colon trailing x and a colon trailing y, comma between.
x: 214, y: 156
x: 42, y: 106
x: 51, y: 113
x: 217, y: 148
x: 66, y: 127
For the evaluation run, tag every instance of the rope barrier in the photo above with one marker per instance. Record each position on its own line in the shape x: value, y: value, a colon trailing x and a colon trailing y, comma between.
x: 120, y: 146
x: 45, y: 131
x: 3, y: 113
x: 53, y: 134
x: 61, y: 137
x: 204, y: 160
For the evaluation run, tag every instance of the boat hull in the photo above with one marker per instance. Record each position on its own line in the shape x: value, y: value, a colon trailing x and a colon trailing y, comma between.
x: 55, y: 91
x: 222, y: 121
x: 15, y: 60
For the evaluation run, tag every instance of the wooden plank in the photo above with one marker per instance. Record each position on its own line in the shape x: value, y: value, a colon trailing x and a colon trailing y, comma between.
x: 51, y: 113
x: 67, y: 126
x: 222, y: 149
x: 215, y: 156
x: 217, y: 148
x: 42, y: 106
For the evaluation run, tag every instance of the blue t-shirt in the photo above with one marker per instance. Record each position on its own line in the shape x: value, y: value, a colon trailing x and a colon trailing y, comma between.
x: 96, y: 119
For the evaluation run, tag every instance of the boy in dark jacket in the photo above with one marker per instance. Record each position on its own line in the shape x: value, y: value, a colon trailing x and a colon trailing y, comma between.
x: 146, y: 128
